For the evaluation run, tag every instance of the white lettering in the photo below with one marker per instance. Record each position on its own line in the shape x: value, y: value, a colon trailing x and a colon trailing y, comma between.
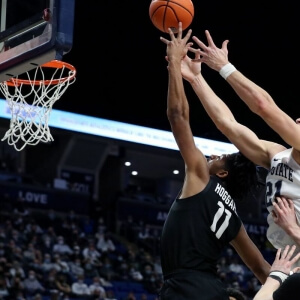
x: 225, y: 196
x: 34, y: 197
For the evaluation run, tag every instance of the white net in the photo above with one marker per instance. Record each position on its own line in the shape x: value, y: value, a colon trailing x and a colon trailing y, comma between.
x: 30, y: 101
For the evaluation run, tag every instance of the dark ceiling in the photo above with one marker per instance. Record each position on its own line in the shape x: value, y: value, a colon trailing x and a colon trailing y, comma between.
x: 122, y: 75
x: 122, y: 71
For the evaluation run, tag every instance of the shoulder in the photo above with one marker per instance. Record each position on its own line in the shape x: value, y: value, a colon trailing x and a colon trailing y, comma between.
x: 277, y: 149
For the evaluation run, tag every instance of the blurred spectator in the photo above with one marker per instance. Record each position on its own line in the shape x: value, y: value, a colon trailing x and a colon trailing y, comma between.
x: 47, y: 241
x: 107, y: 269
x: 17, y: 237
x: 16, y: 287
x: 30, y: 254
x: 105, y: 243
x: 130, y: 296
x: 135, y: 275
x: 17, y: 254
x: 50, y: 282
x: 101, y: 227
x: 91, y: 267
x: 61, y: 247
x: 91, y: 252
x: 151, y: 280
x: 59, y: 264
x: 157, y: 265
x: 77, y: 253
x: 32, y: 285
x: 37, y: 266
x: 76, y: 268
x: 17, y: 270
x: 97, y: 291
x: 80, y: 288
x: 122, y: 269
x: 4, y: 292
x: 47, y: 264
x: 32, y: 229
x: 62, y: 285
x: 4, y: 266
x: 144, y: 232
x: 236, y: 269
x: 105, y: 283
x: 222, y: 265
x: 131, y: 258
x: 252, y: 287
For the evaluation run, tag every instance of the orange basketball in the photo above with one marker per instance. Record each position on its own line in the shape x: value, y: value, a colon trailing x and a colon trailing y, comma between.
x: 168, y: 13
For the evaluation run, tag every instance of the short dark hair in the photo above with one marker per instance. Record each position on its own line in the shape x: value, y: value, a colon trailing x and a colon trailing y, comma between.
x: 237, y: 294
x: 242, y: 178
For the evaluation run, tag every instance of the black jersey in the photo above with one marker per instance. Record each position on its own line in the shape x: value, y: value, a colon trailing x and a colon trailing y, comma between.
x: 197, y: 229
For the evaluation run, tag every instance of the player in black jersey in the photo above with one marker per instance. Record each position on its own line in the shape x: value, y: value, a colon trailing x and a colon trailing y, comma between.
x: 202, y: 220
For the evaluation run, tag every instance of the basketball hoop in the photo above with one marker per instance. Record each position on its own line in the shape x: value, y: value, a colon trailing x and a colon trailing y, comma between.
x: 30, y: 100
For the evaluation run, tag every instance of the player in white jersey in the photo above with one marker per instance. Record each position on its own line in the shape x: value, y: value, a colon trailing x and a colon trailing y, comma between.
x: 284, y: 177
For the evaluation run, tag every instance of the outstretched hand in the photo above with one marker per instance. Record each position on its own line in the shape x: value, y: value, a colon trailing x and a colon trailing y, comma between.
x: 284, y: 260
x: 211, y: 55
x: 177, y: 46
x: 284, y: 215
x: 190, y: 68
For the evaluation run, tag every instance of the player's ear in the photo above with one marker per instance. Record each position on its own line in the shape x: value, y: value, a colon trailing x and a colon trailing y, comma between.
x: 222, y: 173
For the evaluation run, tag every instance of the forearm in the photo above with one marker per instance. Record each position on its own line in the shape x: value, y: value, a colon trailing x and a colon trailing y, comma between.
x: 266, y: 291
x: 256, y: 98
x: 176, y: 100
x: 213, y: 105
x: 261, y: 270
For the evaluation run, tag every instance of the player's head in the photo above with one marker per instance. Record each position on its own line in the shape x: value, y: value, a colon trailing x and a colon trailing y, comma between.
x: 236, y: 171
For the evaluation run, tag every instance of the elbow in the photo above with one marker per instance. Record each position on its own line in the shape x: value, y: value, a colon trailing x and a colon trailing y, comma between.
x: 176, y: 114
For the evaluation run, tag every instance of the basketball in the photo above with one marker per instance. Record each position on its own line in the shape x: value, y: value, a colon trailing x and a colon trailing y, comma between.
x: 166, y: 14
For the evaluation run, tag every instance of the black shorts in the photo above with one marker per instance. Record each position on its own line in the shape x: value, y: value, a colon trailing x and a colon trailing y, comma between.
x: 193, y: 285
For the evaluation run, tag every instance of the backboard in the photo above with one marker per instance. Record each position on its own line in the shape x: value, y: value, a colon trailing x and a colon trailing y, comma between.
x: 33, y: 32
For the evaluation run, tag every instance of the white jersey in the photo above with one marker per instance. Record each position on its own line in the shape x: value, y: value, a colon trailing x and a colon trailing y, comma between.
x: 283, y: 179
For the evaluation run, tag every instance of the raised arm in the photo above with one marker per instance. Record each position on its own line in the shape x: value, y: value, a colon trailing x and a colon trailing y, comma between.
x: 197, y: 172
x: 251, y: 255
x: 256, y: 98
x: 259, y: 151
